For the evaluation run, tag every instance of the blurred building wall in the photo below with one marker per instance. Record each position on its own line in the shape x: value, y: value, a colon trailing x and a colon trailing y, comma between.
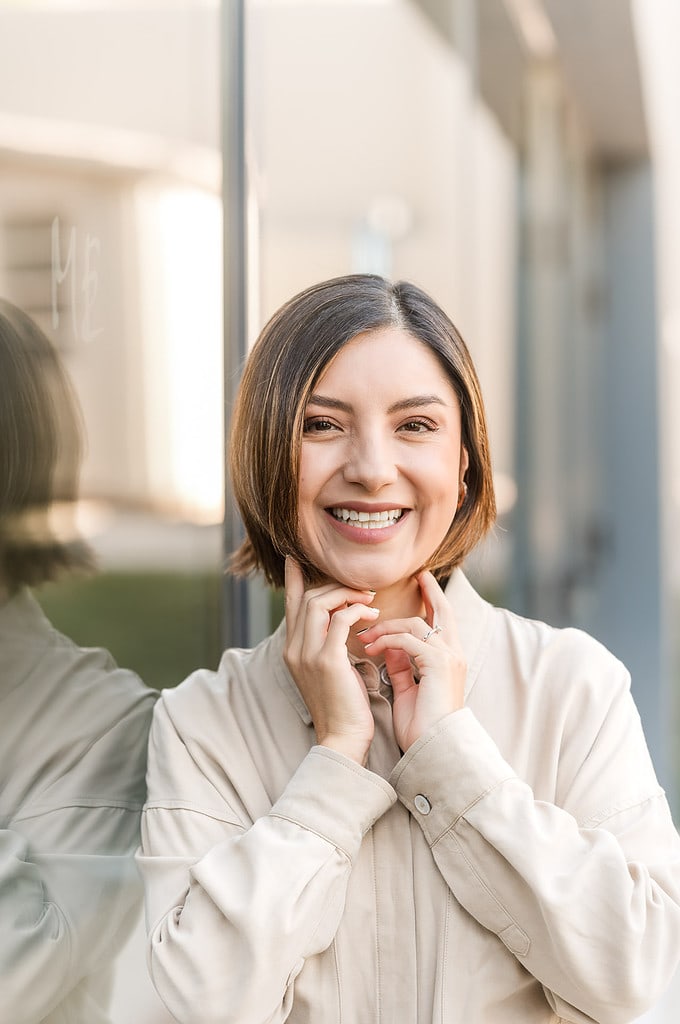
x: 505, y: 169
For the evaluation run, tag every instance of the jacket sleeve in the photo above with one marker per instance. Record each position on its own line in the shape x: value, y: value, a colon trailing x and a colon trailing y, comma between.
x: 587, y: 894
x: 234, y: 908
x: 69, y: 891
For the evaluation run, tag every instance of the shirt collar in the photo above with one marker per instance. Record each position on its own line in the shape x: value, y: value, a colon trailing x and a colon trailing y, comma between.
x: 473, y: 618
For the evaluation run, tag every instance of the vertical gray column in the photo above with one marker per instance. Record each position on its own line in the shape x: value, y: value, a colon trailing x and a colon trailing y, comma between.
x: 541, y: 512
x: 630, y: 619
x: 235, y: 598
x: 246, y: 617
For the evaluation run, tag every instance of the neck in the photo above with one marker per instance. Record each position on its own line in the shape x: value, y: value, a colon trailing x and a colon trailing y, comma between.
x: 401, y: 601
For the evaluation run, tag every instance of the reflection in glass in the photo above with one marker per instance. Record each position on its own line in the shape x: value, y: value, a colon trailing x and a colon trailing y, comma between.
x: 73, y: 726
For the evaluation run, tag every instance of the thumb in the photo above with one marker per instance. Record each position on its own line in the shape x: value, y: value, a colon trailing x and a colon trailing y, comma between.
x: 400, y: 671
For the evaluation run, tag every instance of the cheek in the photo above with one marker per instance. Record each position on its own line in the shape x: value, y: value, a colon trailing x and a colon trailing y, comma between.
x: 306, y: 495
x: 316, y: 467
x: 439, y: 478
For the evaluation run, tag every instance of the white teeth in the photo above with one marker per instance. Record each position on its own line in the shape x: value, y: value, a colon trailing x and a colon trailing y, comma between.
x: 368, y: 520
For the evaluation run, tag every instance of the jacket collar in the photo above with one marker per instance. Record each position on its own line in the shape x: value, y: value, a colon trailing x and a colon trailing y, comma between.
x: 25, y: 634
x: 474, y: 617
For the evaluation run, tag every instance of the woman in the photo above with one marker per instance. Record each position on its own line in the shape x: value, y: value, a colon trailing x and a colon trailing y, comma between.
x: 405, y: 804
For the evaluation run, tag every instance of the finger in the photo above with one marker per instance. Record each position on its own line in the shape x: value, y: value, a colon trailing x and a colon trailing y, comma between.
x: 436, y: 604
x: 330, y: 598
x: 428, y: 587
x: 400, y: 669
x: 318, y: 610
x: 321, y: 614
x: 405, y: 655
x: 416, y: 626
x: 343, y: 620
x: 294, y: 583
x: 298, y: 588
x: 407, y: 642
x: 441, y: 612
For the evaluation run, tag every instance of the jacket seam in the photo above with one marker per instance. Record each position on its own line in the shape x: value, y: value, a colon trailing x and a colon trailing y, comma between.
x: 313, y: 831
x: 597, y: 819
x: 172, y: 805
x: 450, y: 827
x: 492, y: 895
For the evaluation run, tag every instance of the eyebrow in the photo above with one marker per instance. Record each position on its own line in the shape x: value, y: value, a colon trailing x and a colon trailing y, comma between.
x: 414, y: 402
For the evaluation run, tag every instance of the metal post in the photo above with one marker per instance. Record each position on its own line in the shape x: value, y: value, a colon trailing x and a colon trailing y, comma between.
x: 235, y: 603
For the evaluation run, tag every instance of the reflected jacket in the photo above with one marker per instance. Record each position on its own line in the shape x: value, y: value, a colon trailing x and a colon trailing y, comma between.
x: 518, y: 865
x: 73, y: 737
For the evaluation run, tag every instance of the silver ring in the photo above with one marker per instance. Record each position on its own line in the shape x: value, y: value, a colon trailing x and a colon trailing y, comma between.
x: 431, y: 632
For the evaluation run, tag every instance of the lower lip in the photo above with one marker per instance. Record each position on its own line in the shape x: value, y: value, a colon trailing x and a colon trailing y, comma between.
x: 362, y: 535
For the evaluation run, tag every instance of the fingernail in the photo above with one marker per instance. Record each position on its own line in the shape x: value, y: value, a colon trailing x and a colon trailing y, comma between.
x: 370, y: 643
x: 369, y: 591
x: 364, y: 630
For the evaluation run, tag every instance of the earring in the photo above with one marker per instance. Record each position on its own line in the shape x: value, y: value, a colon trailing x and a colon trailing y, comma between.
x: 462, y: 495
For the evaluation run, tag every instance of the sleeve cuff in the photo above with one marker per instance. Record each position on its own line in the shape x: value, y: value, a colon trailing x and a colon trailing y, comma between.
x: 446, y: 771
x: 335, y: 797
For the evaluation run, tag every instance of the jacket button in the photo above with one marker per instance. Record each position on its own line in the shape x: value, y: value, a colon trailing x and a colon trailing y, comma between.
x: 422, y: 804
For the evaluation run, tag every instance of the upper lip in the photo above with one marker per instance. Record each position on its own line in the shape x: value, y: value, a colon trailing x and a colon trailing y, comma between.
x: 367, y: 506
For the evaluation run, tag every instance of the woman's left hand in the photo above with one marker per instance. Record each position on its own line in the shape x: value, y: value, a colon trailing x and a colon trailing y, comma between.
x: 437, y: 661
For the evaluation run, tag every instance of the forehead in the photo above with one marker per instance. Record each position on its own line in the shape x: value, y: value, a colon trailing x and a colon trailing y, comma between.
x: 385, y: 359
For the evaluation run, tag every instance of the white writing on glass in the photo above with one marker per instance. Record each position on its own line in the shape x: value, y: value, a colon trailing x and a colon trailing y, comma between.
x: 66, y: 273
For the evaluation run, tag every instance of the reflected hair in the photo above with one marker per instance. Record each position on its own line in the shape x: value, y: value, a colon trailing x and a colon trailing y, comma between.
x: 290, y: 355
x: 40, y: 450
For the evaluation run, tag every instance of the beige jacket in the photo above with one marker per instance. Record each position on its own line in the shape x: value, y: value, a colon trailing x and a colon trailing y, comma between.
x: 518, y: 865
x: 73, y: 738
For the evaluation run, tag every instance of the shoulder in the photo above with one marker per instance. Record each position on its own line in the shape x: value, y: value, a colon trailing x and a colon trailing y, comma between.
x: 558, y: 653
x: 564, y: 682
x: 248, y: 698
x: 74, y: 725
x: 220, y: 737
x: 540, y: 676
x: 572, y: 692
x: 36, y: 656
x: 242, y: 674
x: 539, y: 639
x: 524, y: 658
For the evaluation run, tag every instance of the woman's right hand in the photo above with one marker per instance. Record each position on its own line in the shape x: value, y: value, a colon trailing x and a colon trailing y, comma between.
x: 318, y: 622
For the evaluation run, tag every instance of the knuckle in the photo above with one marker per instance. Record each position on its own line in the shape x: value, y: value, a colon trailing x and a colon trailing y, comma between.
x: 290, y: 659
x: 306, y: 661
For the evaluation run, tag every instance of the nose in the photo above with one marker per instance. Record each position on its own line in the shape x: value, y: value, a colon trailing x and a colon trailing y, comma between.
x: 370, y: 463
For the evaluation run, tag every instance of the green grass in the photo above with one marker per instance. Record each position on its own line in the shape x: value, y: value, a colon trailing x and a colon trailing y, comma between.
x: 163, y: 625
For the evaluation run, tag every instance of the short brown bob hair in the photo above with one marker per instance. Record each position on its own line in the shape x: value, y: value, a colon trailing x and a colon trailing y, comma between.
x: 280, y: 375
x: 40, y: 449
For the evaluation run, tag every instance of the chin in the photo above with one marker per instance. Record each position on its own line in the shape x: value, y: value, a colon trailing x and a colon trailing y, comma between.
x: 357, y: 579
x: 368, y: 579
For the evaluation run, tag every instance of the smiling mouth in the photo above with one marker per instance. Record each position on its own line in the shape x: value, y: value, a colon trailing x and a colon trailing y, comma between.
x: 367, y: 520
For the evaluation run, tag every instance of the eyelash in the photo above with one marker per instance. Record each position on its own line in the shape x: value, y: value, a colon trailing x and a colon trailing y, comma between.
x: 318, y: 421
x: 320, y: 425
x: 427, y: 424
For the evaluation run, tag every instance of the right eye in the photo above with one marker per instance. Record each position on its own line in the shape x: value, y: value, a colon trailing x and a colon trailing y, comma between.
x: 317, y: 425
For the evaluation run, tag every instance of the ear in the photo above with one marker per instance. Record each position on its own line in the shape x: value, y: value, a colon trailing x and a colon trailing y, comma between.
x: 464, y: 463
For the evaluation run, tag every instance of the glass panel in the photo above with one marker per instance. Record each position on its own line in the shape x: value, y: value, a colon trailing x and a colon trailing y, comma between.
x: 110, y: 241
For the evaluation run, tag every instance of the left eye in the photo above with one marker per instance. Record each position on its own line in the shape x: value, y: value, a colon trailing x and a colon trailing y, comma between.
x: 417, y: 426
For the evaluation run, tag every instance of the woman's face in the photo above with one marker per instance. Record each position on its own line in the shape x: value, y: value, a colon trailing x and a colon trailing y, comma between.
x: 381, y: 462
